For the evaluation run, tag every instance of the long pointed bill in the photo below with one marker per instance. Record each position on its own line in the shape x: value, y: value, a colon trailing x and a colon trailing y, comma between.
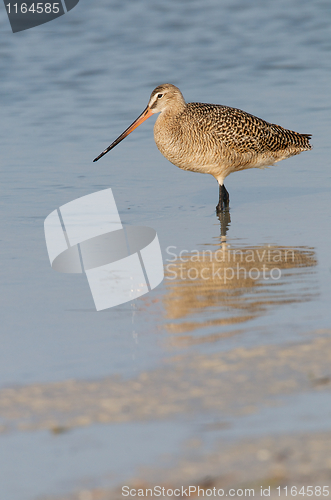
x: 144, y: 115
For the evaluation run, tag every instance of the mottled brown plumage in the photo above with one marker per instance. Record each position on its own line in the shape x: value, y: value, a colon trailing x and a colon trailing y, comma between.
x: 214, y: 139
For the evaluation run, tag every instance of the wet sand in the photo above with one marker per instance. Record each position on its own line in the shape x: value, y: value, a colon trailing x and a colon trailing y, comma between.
x: 216, y: 388
x: 244, y: 467
x: 237, y: 382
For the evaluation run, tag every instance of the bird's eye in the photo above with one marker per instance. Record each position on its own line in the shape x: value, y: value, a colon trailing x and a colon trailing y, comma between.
x: 159, y: 96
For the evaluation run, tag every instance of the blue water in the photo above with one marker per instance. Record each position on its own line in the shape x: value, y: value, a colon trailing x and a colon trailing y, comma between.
x: 68, y: 89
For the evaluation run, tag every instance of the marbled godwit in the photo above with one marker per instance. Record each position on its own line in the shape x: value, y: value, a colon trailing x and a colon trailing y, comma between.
x: 214, y: 139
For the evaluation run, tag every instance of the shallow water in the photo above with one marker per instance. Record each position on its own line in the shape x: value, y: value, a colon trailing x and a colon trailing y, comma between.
x: 68, y: 89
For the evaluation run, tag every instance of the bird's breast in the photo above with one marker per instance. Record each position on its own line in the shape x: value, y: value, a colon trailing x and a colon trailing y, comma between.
x: 168, y: 137
x: 179, y: 141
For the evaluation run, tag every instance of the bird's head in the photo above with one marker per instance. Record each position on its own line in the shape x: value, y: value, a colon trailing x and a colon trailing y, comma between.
x: 165, y: 97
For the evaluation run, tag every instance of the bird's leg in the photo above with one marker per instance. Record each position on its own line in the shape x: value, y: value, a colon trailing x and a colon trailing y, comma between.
x: 224, y: 199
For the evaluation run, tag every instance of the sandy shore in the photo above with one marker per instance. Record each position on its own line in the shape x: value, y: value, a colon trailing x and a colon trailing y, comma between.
x: 228, y: 384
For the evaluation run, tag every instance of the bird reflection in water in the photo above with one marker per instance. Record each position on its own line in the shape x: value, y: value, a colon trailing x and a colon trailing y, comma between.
x: 222, y: 286
x: 225, y: 221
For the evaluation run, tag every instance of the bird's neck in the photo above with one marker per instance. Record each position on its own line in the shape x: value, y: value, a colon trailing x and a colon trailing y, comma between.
x: 176, y: 109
